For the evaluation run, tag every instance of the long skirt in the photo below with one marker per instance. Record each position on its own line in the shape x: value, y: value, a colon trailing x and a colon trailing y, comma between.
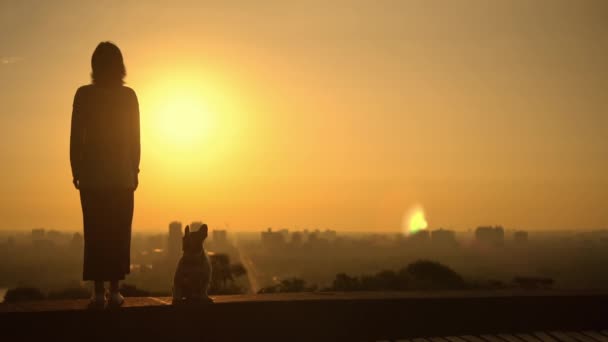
x: 107, y: 216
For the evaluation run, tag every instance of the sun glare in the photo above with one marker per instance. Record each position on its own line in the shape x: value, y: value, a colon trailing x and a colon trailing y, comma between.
x: 183, y: 119
x: 414, y: 220
x: 189, y: 121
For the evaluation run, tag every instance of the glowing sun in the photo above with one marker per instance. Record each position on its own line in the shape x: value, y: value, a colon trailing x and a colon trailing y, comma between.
x: 414, y: 220
x: 188, y: 121
x: 183, y: 119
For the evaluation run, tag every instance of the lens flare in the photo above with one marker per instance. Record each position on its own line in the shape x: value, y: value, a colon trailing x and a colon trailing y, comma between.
x: 414, y: 220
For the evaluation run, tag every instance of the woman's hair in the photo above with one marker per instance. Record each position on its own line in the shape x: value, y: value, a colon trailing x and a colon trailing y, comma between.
x: 107, y: 64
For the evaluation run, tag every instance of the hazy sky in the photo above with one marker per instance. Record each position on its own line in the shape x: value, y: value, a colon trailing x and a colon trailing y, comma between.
x: 320, y: 114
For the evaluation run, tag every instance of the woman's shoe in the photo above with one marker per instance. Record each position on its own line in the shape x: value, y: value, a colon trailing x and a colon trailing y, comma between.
x: 97, y: 302
x: 115, y: 299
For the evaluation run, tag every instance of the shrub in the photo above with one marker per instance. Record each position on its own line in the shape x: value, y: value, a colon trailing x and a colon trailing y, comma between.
x: 420, y: 275
x: 289, y: 285
x: 22, y: 294
x: 431, y: 275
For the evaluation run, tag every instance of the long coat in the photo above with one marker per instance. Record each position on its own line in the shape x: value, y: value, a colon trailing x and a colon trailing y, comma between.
x: 104, y: 139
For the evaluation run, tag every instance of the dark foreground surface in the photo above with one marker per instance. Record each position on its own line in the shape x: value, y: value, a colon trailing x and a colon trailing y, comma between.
x: 457, y: 316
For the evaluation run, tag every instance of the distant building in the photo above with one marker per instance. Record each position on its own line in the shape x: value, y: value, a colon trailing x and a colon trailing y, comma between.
x: 174, y: 242
x: 77, y: 242
x: 520, y: 236
x: 285, y: 233
x: 38, y: 234
x: 39, y: 239
x: 195, y: 225
x: 319, y: 240
x: 272, y: 239
x: 329, y: 235
x: 297, y: 238
x: 53, y: 235
x: 443, y: 237
x: 314, y: 236
x: 220, y: 237
x: 489, y: 235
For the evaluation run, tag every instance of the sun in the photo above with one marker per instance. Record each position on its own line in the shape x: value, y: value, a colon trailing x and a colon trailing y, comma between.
x: 184, y: 120
x: 414, y: 220
x: 181, y: 117
x: 190, y: 121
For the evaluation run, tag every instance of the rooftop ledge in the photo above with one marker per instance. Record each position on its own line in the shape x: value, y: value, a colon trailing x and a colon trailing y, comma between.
x: 328, y: 316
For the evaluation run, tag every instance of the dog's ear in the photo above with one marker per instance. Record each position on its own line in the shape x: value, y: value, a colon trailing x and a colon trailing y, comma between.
x: 187, y: 231
x: 204, y: 230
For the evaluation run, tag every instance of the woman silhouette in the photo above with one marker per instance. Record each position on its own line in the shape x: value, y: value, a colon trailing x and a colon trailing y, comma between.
x: 104, y: 154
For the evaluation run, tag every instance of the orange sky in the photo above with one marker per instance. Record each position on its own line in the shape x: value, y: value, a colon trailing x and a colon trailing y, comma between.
x: 318, y: 114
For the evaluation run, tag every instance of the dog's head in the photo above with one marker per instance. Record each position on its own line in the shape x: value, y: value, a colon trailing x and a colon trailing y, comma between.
x: 192, y: 242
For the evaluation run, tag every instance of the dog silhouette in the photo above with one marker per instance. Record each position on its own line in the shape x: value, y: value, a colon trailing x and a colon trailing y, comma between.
x: 193, y: 273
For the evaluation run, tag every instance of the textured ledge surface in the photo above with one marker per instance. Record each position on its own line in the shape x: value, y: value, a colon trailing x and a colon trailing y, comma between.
x: 314, y: 316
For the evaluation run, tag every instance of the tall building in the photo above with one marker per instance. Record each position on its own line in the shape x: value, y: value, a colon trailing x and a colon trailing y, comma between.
x: 489, y: 235
x: 38, y: 234
x: 314, y: 237
x: 285, y: 233
x: 272, y: 239
x: 195, y: 226
x: 174, y: 243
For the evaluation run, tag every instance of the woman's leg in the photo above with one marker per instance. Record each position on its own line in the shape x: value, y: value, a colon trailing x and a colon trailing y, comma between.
x: 117, y: 234
x: 98, y: 298
x: 116, y: 299
x: 95, y: 238
x: 99, y: 288
x: 114, y: 286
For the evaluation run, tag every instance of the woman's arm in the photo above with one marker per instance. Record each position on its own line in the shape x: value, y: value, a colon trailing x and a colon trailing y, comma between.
x: 76, y: 139
x: 135, y: 135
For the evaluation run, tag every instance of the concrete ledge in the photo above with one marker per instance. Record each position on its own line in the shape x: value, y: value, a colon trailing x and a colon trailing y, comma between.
x: 327, y: 317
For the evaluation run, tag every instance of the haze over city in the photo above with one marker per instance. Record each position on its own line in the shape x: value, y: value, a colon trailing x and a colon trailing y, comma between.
x: 341, y: 115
